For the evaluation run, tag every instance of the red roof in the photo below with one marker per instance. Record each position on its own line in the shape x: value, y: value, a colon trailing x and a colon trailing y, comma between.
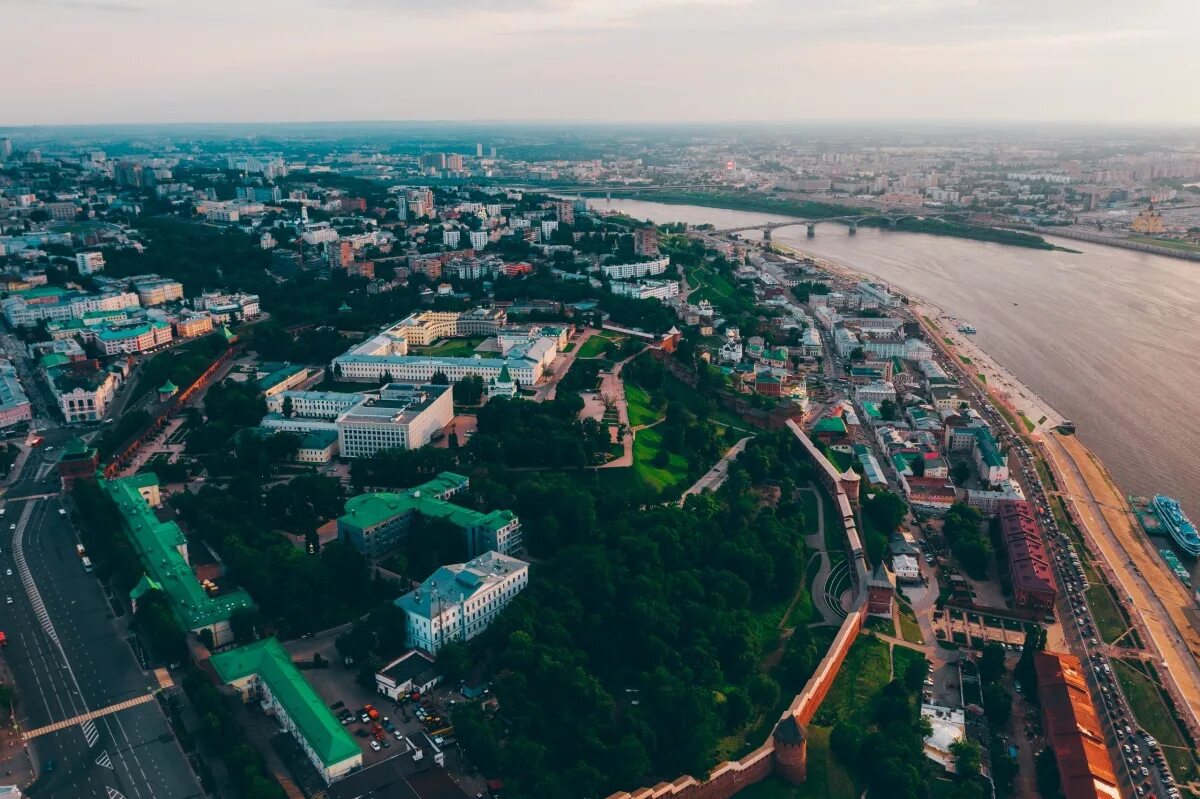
x: 1027, y: 560
x: 1073, y: 729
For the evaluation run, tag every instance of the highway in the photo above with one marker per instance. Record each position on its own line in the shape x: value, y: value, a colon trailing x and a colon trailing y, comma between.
x: 69, y: 657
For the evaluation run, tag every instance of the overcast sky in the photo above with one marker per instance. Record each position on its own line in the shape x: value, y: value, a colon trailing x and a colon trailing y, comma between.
x: 109, y: 61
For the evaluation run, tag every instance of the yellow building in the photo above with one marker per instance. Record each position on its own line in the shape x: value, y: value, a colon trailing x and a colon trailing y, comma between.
x: 1149, y: 222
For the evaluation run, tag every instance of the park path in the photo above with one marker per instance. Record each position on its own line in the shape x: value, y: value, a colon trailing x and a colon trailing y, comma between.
x: 715, y: 477
x: 611, y: 385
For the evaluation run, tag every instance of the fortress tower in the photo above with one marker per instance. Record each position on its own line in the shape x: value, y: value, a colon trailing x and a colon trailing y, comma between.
x: 791, y: 750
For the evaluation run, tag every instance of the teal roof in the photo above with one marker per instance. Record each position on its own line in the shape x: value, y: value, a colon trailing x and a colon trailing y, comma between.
x: 168, y: 387
x: 370, y: 510
x: 318, y: 439
x: 989, y: 451
x: 871, y: 409
x: 830, y: 424
x: 269, y: 662
x: 54, y: 359
x: 159, y: 547
x: 128, y: 331
x: 278, y: 376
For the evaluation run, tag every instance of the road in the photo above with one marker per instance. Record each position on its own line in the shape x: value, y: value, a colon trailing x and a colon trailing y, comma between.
x: 69, y: 657
x: 1159, y: 609
x: 715, y: 476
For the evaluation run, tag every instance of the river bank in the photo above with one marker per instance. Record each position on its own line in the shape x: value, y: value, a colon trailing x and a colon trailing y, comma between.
x: 1099, y: 336
x: 819, y: 209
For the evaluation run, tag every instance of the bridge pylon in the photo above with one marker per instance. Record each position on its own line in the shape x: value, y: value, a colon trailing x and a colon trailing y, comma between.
x: 812, y: 229
x: 853, y: 227
x: 767, y: 234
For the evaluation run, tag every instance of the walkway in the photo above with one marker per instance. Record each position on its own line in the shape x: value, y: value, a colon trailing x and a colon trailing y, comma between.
x: 611, y: 386
x: 715, y: 477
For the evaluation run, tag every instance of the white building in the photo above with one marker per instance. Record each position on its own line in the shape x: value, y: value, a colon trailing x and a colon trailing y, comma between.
x: 640, y: 269
x: 89, y: 262
x: 412, y: 671
x: 479, y: 239
x: 130, y: 336
x: 313, y: 404
x: 645, y: 289
x: 949, y: 726
x: 906, y: 568
x: 156, y: 292
x: 876, y: 392
x: 875, y: 294
x: 402, y: 417
x: 450, y: 238
x: 845, y: 342
x: 458, y: 602
x: 917, y: 350
x: 84, y: 401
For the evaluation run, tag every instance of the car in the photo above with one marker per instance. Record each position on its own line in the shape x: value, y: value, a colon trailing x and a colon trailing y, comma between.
x: 375, y: 746
x: 386, y: 744
x: 1145, y: 771
x: 364, y: 718
x: 8, y: 572
x: 62, y: 512
x: 8, y: 601
x: 12, y: 527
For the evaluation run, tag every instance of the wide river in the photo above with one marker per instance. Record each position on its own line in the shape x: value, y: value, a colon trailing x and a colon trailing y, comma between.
x: 1105, y: 336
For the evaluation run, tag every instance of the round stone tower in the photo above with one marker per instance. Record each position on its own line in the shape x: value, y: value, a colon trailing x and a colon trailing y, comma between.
x: 791, y: 750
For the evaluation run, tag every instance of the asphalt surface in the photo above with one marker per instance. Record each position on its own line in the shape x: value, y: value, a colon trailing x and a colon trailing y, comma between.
x: 69, y: 656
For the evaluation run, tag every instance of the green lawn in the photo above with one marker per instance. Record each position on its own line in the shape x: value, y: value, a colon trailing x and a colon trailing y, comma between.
x: 902, y: 656
x: 909, y: 629
x: 645, y: 446
x: 865, y: 671
x: 965, y: 360
x: 640, y: 410
x: 1185, y: 246
x: 982, y: 378
x: 827, y: 778
x: 451, y: 348
x: 948, y: 340
x: 596, y: 346
x: 570, y: 346
x: 1029, y: 424
x: 1109, y: 622
x: 808, y: 502
x: 1153, y: 714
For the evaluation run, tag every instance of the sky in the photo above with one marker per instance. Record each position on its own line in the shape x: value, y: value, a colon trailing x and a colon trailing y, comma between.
x: 134, y: 61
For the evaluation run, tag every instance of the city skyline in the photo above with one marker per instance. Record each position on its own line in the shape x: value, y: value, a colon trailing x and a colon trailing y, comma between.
x: 683, y: 61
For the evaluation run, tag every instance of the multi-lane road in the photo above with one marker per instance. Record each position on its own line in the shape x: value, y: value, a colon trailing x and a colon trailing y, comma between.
x: 69, y: 658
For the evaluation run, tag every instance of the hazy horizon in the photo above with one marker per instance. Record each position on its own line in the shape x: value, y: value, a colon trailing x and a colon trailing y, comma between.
x: 698, y: 62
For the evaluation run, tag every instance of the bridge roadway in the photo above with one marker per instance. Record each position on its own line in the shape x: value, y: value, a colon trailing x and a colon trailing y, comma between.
x: 70, y: 661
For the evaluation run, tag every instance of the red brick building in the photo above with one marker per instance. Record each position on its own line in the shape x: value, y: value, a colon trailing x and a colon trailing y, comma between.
x: 1073, y: 730
x: 1032, y: 578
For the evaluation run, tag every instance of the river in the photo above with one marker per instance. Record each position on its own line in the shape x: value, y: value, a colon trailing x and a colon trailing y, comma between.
x: 1103, y: 336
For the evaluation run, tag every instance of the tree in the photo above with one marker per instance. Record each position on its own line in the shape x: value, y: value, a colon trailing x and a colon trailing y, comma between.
x: 889, y: 410
x: 1048, y: 782
x: 288, y: 407
x: 454, y: 661
x: 438, y: 379
x: 997, y: 704
x: 959, y: 472
x: 468, y: 390
x: 991, y: 662
x: 846, y: 742
x: 967, y: 755
x: 1025, y: 672
x: 243, y: 623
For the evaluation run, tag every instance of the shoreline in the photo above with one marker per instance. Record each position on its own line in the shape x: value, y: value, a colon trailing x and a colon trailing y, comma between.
x: 1100, y: 507
x: 1002, y: 387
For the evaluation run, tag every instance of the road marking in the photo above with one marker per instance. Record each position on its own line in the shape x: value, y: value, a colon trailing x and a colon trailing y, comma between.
x: 86, y: 718
x: 113, y: 793
x: 104, y: 760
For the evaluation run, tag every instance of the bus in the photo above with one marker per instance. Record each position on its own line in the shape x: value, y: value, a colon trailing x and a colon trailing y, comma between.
x: 87, y: 564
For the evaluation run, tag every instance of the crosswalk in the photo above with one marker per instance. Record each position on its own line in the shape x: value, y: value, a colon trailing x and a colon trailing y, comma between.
x: 85, y: 719
x: 113, y: 793
x: 104, y: 760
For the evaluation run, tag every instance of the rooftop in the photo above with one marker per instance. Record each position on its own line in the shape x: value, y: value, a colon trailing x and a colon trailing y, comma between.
x: 270, y: 662
x: 159, y: 546
x: 459, y: 582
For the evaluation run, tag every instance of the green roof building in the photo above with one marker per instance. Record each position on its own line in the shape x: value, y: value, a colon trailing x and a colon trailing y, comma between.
x: 829, y: 426
x: 264, y: 671
x: 162, y: 550
x: 374, y: 523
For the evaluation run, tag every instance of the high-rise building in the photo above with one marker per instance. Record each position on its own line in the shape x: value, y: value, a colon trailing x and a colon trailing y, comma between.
x: 645, y: 241
x: 6, y: 148
x: 128, y: 173
x: 491, y: 152
x: 89, y: 262
x: 433, y: 161
x: 454, y: 162
x: 479, y: 150
x: 339, y: 253
x: 420, y: 202
x: 566, y: 211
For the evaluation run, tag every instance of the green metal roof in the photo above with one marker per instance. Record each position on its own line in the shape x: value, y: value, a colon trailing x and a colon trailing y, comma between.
x: 830, y: 424
x: 370, y: 510
x: 158, y: 546
x: 168, y: 387
x: 270, y: 662
x: 54, y: 359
